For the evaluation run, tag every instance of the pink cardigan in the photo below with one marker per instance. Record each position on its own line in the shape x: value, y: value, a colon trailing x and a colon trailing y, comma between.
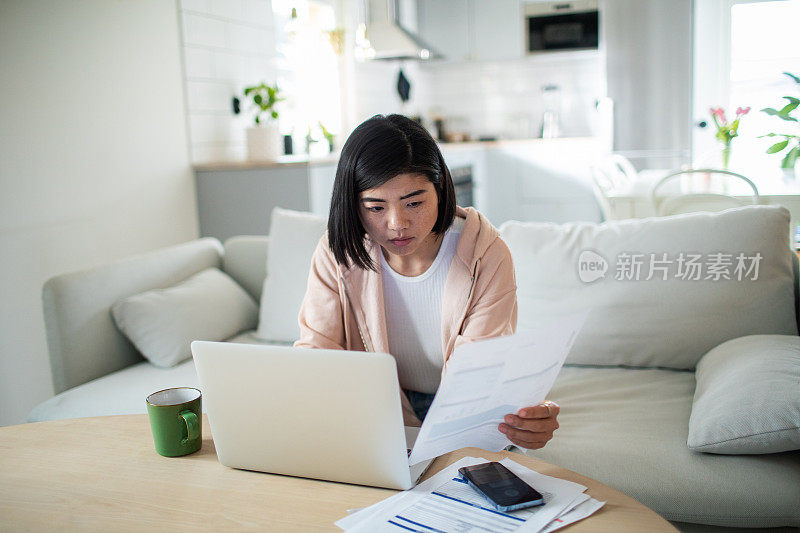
x: 343, y: 308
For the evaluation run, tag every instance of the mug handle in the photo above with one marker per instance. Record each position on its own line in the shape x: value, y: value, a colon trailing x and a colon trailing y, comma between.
x: 192, y: 425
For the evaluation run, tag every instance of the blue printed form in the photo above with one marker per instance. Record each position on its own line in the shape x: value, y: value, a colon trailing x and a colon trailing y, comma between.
x: 446, y: 503
x: 455, y: 506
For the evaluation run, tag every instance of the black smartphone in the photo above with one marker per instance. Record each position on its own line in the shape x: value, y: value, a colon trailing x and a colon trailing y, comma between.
x: 504, y: 490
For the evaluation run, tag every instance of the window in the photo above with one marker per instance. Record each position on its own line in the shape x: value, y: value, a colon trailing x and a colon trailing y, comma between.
x: 742, y: 47
x: 307, y: 44
x: 764, y: 44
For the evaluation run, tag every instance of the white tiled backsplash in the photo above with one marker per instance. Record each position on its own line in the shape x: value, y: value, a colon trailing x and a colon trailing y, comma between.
x: 228, y: 44
x: 375, y: 84
x: 504, y: 98
x: 492, y: 98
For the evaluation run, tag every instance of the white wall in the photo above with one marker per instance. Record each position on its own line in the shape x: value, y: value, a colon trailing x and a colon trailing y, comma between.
x: 228, y: 45
x: 94, y: 160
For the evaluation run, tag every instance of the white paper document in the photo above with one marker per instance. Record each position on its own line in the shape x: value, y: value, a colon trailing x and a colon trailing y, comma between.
x: 584, y: 509
x: 446, y: 503
x: 486, y: 380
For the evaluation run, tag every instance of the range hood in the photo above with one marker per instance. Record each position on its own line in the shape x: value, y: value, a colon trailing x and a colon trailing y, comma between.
x: 384, y: 37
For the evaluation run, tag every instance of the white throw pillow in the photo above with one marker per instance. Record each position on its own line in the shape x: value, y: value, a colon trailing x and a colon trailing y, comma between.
x: 162, y: 323
x: 657, y: 322
x: 747, y: 398
x: 293, y: 237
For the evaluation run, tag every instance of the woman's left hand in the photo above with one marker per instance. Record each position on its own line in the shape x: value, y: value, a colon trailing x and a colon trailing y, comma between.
x: 532, y: 427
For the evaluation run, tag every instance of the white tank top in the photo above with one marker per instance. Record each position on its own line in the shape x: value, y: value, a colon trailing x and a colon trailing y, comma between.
x: 413, y: 307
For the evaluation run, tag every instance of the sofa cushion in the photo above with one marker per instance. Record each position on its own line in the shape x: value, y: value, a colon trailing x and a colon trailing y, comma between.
x: 162, y: 323
x: 660, y: 316
x: 293, y: 237
x: 627, y: 428
x: 747, y: 398
x: 122, y: 392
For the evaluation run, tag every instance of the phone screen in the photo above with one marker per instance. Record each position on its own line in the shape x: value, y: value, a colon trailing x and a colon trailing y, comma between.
x: 501, y: 486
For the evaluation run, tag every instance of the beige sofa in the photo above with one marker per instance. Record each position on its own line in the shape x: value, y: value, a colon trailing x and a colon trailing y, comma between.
x: 625, y: 413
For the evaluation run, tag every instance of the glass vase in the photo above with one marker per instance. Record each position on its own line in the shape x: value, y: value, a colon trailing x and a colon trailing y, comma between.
x: 726, y: 156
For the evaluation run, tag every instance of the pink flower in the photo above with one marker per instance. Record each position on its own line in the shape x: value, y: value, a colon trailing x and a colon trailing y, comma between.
x: 719, y: 114
x: 742, y: 111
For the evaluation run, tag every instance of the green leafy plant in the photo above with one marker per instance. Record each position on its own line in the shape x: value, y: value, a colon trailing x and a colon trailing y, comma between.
x: 790, y: 140
x: 264, y: 97
x: 330, y: 137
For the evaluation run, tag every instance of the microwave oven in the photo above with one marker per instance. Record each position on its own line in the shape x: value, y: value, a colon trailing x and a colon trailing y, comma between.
x: 551, y: 26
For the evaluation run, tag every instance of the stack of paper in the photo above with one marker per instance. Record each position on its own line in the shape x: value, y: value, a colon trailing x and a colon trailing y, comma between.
x: 446, y: 503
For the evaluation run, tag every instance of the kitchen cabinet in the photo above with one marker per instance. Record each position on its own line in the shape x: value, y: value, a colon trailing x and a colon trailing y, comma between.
x: 498, y: 30
x: 239, y: 201
x: 321, y: 178
x: 539, y: 180
x: 472, y: 30
x: 558, y: 175
x: 498, y: 188
x: 648, y: 50
x: 550, y: 180
x: 444, y: 25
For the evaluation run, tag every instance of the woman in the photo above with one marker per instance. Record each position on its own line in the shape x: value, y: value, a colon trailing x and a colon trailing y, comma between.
x: 403, y: 270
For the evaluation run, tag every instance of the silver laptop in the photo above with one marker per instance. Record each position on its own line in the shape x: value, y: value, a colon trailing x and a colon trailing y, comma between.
x: 322, y: 414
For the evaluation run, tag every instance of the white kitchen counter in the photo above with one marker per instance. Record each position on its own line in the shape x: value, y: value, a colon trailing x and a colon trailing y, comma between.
x: 288, y: 161
x: 285, y: 161
x: 516, y: 143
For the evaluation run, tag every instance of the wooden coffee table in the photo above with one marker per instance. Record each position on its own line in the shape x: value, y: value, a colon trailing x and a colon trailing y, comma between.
x: 104, y: 474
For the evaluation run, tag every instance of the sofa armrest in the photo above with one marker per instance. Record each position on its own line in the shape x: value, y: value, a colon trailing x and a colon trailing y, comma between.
x: 83, y: 341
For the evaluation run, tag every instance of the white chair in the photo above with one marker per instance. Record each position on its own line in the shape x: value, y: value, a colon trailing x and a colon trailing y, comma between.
x: 613, y: 173
x: 624, y: 171
x: 602, y: 184
x: 667, y: 202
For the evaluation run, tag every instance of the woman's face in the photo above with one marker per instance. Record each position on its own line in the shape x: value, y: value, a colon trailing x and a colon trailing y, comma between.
x: 400, y: 215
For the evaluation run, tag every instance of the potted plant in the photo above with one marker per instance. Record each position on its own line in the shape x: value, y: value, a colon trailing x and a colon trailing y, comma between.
x: 791, y: 141
x: 263, y: 139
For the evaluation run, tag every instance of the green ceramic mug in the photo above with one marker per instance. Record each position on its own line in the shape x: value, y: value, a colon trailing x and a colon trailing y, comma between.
x: 176, y: 420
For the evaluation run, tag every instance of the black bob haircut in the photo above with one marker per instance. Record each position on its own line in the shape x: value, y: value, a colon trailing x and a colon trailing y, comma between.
x: 378, y: 150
